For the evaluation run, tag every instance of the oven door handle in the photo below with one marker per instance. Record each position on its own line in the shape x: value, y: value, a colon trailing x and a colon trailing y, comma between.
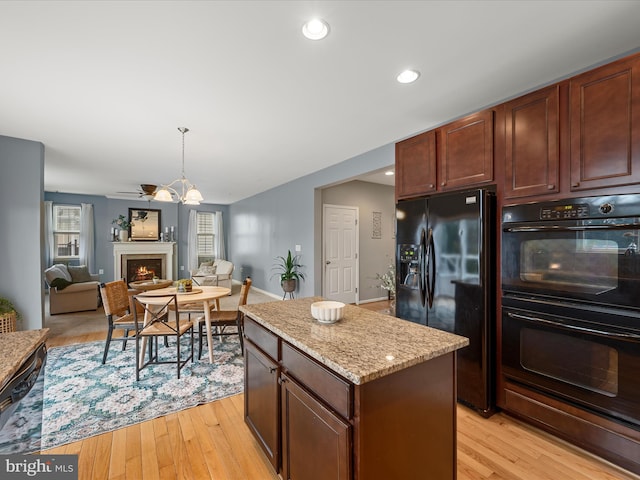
x: 620, y: 336
x: 571, y: 228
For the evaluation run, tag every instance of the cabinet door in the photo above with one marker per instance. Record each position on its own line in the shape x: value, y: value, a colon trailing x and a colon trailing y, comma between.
x: 316, y: 444
x: 465, y: 151
x: 532, y: 148
x: 605, y: 126
x: 262, y: 401
x: 416, y: 165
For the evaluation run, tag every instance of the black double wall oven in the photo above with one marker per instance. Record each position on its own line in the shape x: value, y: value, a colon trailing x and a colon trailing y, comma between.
x: 571, y: 302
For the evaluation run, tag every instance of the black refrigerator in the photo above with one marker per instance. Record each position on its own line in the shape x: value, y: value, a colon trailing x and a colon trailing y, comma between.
x: 445, y: 279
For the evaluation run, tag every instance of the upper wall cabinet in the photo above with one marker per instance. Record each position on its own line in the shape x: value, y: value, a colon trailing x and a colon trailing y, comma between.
x: 532, y: 155
x: 465, y: 151
x: 605, y: 126
x: 416, y: 165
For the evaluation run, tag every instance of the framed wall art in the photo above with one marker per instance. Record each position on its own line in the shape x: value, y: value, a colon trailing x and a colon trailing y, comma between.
x: 376, y: 225
x: 145, y: 224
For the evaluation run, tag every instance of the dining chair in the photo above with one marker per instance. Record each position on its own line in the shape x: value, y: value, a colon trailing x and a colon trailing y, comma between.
x: 117, y: 307
x: 221, y: 319
x: 154, y: 322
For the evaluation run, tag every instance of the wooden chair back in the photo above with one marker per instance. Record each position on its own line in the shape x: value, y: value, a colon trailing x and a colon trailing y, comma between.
x: 115, y: 298
x: 244, y: 291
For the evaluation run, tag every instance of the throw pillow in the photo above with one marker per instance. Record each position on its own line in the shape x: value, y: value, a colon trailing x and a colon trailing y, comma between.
x: 64, y: 270
x: 206, y: 264
x: 205, y: 270
x: 57, y: 271
x: 79, y: 274
x: 60, y: 283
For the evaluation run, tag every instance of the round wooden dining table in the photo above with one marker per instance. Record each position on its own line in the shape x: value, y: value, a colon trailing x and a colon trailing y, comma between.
x: 204, y: 295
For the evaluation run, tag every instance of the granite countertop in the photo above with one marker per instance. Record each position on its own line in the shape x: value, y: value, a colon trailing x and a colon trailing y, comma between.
x: 15, y: 348
x: 362, y: 346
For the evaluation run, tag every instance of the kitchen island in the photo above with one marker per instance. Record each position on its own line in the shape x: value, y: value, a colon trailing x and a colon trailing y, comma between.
x: 368, y: 397
x: 23, y: 354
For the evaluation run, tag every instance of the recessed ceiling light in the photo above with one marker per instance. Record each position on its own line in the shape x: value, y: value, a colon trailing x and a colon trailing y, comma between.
x: 408, y: 76
x: 389, y: 173
x: 315, y: 29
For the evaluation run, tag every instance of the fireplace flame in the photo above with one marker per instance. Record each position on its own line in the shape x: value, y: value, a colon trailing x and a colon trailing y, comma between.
x: 144, y: 273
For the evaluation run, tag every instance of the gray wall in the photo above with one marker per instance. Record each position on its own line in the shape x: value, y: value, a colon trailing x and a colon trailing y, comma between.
x: 268, y: 224
x: 257, y: 229
x: 376, y: 254
x: 21, y: 187
x: 107, y: 209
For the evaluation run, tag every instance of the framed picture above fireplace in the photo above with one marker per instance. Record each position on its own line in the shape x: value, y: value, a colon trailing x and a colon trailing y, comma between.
x: 145, y: 224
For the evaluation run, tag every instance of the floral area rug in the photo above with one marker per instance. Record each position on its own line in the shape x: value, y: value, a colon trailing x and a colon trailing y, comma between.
x: 82, y: 398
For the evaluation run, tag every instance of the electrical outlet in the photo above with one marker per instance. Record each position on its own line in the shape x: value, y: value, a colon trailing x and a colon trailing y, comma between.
x: 298, y: 248
x: 181, y: 267
x: 101, y: 271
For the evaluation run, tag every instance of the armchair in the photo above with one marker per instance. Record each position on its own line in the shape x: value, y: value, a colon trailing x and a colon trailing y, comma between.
x: 71, y: 289
x: 219, y: 274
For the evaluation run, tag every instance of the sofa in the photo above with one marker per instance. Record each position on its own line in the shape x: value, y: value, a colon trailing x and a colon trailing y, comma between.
x: 218, y: 273
x: 71, y: 289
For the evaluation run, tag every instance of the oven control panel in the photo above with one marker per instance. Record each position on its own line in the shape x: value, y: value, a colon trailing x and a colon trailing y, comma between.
x: 564, y: 211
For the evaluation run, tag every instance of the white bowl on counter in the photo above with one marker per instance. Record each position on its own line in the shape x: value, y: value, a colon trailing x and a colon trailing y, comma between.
x: 327, y: 311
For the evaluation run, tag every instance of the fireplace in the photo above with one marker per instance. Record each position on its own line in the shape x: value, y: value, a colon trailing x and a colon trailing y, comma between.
x: 135, y: 261
x: 143, y: 267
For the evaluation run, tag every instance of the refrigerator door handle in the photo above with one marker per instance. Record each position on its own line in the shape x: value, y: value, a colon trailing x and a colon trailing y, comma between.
x: 422, y: 268
x: 431, y: 273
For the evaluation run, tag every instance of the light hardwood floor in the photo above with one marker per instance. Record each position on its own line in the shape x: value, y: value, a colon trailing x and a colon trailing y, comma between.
x: 211, y: 441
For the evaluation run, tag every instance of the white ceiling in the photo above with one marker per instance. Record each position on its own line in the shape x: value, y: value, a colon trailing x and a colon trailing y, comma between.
x: 104, y: 85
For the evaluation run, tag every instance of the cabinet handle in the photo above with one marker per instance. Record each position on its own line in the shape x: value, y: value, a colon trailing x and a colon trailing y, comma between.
x: 443, y: 184
x: 577, y: 184
x: 551, y: 187
x: 431, y: 185
x: 272, y: 369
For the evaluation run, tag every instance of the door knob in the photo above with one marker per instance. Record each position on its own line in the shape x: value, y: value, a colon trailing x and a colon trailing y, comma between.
x: 328, y: 262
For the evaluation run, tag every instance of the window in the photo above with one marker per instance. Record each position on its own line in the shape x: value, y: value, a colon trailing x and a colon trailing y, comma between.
x: 205, y: 236
x: 66, y: 231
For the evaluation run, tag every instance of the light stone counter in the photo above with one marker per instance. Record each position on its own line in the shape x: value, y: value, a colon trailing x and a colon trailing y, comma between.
x: 361, y: 347
x: 15, y: 348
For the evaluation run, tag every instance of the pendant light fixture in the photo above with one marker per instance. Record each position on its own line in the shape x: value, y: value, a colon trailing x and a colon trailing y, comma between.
x: 187, y: 192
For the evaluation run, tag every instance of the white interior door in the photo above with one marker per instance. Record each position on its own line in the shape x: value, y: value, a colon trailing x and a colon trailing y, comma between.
x: 340, y: 253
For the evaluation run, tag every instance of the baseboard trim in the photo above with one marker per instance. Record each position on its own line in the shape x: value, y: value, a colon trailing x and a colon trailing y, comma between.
x: 372, y: 300
x: 259, y: 290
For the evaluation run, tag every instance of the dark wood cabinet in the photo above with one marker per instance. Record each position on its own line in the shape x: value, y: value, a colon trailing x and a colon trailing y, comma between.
x: 604, y: 126
x: 465, y: 151
x: 454, y: 156
x: 262, y: 401
x: 316, y: 443
x: 416, y: 165
x: 532, y: 149
x: 401, y: 425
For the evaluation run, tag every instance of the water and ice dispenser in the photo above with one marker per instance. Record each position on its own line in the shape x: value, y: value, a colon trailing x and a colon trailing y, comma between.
x: 408, y: 265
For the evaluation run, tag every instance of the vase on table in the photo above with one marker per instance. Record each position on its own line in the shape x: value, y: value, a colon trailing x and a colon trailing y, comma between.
x: 123, y: 235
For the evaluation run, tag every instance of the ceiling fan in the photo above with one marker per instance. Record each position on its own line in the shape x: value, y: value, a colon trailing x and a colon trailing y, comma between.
x: 145, y: 191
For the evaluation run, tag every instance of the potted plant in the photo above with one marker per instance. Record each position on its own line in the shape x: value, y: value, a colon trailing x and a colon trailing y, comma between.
x: 124, y: 225
x: 287, y: 268
x: 388, y: 283
x: 184, y: 285
x: 8, y: 316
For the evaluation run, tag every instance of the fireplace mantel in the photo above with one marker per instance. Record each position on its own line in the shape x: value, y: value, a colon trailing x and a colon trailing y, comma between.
x: 144, y: 248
